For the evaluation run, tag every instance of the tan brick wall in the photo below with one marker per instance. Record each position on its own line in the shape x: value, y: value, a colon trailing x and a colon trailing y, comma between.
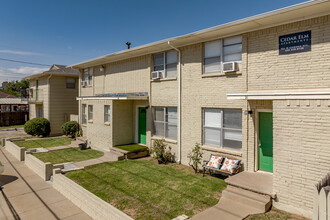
x: 44, y: 170
x: 301, y: 150
x: 309, y: 70
x: 123, y: 121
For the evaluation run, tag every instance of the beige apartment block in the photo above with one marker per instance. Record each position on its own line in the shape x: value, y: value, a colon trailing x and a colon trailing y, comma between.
x: 271, y: 109
x: 52, y: 95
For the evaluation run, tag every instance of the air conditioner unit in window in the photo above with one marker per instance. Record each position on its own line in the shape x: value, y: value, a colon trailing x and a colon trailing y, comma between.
x: 229, y: 67
x: 83, y: 83
x: 157, y: 75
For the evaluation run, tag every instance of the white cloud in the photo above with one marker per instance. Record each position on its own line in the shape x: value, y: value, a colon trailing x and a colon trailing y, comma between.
x: 20, y: 52
x: 28, y: 70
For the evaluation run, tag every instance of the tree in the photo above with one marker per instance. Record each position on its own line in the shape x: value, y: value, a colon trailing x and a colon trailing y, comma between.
x: 17, y: 88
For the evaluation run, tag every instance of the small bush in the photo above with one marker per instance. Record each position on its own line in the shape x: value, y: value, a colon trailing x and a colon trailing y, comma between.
x: 37, y: 127
x: 160, y: 152
x: 70, y: 128
x: 195, y: 157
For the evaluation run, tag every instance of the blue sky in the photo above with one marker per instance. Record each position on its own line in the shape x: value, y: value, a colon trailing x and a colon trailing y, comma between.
x: 71, y: 31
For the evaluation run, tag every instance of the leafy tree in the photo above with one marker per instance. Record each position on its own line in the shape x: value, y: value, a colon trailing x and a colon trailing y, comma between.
x: 17, y: 88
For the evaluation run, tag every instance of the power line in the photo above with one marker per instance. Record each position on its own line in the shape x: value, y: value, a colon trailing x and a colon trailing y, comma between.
x: 18, y: 61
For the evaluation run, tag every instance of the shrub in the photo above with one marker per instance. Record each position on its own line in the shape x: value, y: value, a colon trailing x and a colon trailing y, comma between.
x: 70, y: 128
x: 159, y: 151
x: 37, y: 127
x: 195, y: 156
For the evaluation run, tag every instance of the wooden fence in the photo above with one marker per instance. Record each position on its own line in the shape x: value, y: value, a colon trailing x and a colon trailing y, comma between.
x: 321, y: 209
x: 13, y: 118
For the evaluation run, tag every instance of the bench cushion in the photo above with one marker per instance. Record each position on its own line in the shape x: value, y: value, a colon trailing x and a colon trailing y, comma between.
x: 215, y: 161
x: 230, y: 165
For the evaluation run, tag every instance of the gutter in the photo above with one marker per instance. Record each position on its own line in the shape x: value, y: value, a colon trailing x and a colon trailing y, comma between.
x: 179, y: 102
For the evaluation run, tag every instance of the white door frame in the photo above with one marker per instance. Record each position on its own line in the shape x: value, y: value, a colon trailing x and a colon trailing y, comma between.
x: 136, y: 138
x: 256, y: 132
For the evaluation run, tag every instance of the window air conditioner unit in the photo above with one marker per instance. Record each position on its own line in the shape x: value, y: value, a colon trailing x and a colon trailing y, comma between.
x: 157, y: 75
x: 229, y: 67
x: 83, y: 83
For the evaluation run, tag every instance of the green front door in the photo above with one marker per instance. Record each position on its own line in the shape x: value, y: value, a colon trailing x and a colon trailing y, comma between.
x: 142, y: 125
x: 265, y: 143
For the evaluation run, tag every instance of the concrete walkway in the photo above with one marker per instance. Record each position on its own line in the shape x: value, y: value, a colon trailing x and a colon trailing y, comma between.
x: 107, y: 157
x: 74, y: 144
x: 25, y: 195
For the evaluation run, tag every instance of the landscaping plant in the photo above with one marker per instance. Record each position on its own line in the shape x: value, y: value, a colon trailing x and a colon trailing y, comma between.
x: 37, y: 127
x: 195, y: 157
x: 70, y: 128
x: 160, y: 151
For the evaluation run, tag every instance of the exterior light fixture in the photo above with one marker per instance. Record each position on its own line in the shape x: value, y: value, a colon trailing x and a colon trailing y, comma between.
x: 248, y: 112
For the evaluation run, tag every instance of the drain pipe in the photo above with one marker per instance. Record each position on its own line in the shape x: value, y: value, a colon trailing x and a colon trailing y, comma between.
x: 48, y: 83
x: 179, y: 102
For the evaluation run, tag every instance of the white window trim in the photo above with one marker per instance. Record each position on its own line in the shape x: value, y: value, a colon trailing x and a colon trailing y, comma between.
x: 221, y: 129
x: 89, y: 72
x: 165, y: 64
x: 165, y: 122
x: 106, y: 114
x: 83, y: 113
x: 90, y: 113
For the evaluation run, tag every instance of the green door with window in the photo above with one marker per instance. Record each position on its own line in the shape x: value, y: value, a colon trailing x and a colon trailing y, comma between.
x: 142, y: 125
x: 265, y: 143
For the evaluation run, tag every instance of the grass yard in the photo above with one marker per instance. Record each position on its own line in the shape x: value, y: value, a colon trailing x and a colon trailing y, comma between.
x: 131, y: 147
x: 275, y: 214
x: 13, y: 126
x: 44, y: 142
x: 144, y: 189
x: 68, y: 155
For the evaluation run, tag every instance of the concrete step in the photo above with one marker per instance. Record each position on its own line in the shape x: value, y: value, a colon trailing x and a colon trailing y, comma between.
x: 235, y: 208
x: 256, y: 200
x: 215, y: 213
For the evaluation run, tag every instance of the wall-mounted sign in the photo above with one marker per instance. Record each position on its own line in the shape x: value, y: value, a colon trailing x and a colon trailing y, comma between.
x: 295, y: 43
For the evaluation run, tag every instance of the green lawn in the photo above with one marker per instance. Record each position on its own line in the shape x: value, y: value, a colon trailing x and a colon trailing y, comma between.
x: 68, y: 155
x: 275, y: 214
x: 144, y: 189
x: 13, y: 126
x: 131, y: 147
x: 45, y: 143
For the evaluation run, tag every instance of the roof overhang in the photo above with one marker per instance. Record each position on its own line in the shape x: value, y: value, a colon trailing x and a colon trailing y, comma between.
x: 302, y: 11
x: 279, y: 95
x: 48, y: 73
x: 112, y: 98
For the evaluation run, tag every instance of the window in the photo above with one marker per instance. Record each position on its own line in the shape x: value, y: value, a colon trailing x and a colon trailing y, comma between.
x: 88, y: 76
x: 223, y: 128
x: 165, y: 122
x: 166, y: 62
x: 70, y: 83
x: 84, y: 112
x: 219, y: 51
x: 107, y: 113
x: 90, y: 113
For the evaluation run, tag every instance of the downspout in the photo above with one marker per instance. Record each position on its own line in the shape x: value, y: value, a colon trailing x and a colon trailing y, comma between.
x: 79, y: 100
x: 179, y: 102
x: 48, y: 82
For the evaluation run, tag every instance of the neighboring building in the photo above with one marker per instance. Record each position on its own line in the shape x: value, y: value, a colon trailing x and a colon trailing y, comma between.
x: 52, y: 95
x: 13, y: 110
x: 272, y: 109
x: 4, y: 84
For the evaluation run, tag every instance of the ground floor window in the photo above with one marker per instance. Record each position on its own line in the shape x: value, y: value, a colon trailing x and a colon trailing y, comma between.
x: 90, y: 113
x: 165, y: 122
x: 83, y: 115
x: 223, y: 128
x: 107, y: 113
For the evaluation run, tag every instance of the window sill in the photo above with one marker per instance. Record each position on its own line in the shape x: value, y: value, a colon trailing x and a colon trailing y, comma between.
x: 87, y: 86
x: 107, y: 123
x: 206, y: 75
x: 90, y: 121
x: 164, y: 79
x: 222, y: 150
x: 171, y: 141
x: 84, y: 125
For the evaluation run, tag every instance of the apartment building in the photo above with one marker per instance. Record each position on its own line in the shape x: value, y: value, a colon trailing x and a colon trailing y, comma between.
x: 52, y: 95
x: 256, y: 88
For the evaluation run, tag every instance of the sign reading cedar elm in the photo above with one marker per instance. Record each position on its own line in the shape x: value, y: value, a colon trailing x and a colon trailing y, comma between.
x: 295, y: 43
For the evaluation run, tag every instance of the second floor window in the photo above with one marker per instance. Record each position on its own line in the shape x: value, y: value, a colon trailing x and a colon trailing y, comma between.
x: 220, y: 51
x: 167, y: 63
x: 88, y: 76
x: 70, y: 83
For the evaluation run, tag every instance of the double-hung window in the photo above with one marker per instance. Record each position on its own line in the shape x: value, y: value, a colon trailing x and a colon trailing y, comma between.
x: 223, y: 128
x: 167, y: 63
x: 90, y: 113
x: 88, y: 76
x: 84, y: 114
x: 165, y: 122
x: 107, y: 113
x: 70, y: 83
x: 220, y: 51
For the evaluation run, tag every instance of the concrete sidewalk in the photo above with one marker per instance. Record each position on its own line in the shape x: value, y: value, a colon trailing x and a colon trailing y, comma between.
x: 25, y: 195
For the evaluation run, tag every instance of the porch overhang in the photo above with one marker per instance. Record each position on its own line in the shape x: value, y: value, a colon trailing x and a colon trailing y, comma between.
x: 117, y: 96
x: 278, y: 95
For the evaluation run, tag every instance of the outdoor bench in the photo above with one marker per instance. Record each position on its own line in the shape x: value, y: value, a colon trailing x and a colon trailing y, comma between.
x: 232, y: 165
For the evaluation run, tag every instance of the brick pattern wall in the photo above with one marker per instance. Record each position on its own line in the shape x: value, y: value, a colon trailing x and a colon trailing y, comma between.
x: 44, y: 170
